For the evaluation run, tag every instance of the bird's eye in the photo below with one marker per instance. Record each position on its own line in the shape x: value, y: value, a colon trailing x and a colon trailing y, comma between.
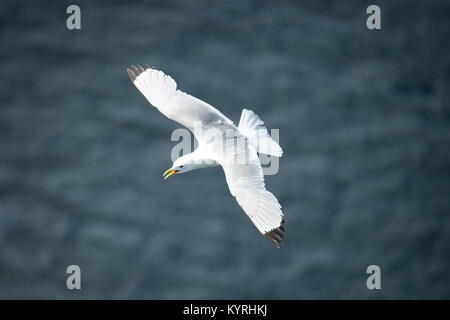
x: 181, y: 166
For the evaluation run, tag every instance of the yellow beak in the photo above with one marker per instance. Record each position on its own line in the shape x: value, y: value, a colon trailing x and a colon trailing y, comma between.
x: 169, y: 172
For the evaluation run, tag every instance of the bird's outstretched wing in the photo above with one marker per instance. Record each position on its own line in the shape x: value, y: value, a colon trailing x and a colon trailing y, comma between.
x: 246, y: 184
x: 161, y: 91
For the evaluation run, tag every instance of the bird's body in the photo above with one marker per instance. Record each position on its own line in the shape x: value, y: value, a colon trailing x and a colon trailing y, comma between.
x: 220, y: 143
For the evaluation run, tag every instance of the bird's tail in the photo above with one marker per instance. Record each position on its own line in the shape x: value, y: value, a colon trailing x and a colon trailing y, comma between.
x: 252, y: 127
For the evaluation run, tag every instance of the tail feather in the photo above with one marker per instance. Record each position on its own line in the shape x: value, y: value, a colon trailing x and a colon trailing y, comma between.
x: 252, y: 127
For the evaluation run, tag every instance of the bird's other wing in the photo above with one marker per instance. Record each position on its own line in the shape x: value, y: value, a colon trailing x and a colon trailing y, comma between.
x: 161, y: 91
x: 246, y: 184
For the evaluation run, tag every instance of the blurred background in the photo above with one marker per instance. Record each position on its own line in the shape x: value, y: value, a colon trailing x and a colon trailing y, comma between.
x: 364, y: 121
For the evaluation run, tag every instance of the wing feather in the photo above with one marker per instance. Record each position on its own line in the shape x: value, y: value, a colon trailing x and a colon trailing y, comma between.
x: 246, y: 184
x: 161, y: 91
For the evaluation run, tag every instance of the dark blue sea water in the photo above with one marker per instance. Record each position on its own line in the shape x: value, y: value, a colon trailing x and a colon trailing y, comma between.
x: 364, y: 119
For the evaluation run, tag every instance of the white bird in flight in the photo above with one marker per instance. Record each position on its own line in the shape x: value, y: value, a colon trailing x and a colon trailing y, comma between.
x: 220, y: 143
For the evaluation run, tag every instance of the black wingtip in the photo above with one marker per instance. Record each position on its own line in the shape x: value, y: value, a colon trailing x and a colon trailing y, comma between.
x: 135, y: 71
x: 276, y: 236
x: 131, y: 74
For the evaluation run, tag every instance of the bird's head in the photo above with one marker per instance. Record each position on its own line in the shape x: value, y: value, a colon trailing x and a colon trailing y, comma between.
x: 181, y: 165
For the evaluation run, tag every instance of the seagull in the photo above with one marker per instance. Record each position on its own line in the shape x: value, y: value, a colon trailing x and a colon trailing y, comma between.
x: 220, y: 142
